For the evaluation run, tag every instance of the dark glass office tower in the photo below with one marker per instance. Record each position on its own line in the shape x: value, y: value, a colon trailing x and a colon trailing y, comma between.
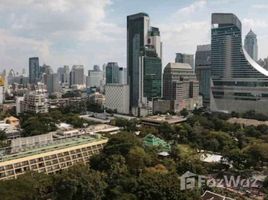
x: 144, y: 51
x: 112, y: 73
x: 238, y: 82
x: 203, y: 71
x: 137, y: 31
x: 152, y: 74
x: 34, y: 70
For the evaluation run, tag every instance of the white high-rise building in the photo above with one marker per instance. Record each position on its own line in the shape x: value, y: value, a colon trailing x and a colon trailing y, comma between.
x: 19, y: 105
x: 117, y: 97
x: 1, y: 95
x: 122, y: 75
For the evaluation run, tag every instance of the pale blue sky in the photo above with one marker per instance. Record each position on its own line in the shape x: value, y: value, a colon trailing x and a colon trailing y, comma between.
x: 88, y: 32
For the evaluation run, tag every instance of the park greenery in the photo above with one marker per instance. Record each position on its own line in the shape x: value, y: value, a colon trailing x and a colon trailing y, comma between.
x: 128, y: 170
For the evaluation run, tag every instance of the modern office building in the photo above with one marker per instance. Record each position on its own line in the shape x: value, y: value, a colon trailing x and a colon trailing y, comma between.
x: 151, y: 79
x: 47, y: 155
x: 34, y: 70
x: 185, y: 58
x: 96, y: 68
x: 53, y: 85
x: 94, y: 79
x: 251, y: 45
x: 117, y: 97
x: 238, y: 82
x: 140, y: 37
x: 203, y: 71
x: 77, y: 75
x: 64, y: 75
x: 112, y: 73
x: 181, y: 86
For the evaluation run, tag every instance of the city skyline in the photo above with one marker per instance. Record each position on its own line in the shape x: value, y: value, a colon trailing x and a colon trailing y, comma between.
x: 60, y: 35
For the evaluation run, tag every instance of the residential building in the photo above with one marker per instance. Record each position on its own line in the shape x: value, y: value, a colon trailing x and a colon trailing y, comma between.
x: 142, y: 39
x: 35, y: 103
x: 48, y: 156
x: 251, y: 45
x: 238, y: 82
x: 1, y: 95
x: 64, y: 76
x: 122, y: 75
x: 185, y: 58
x: 117, y: 98
x: 203, y: 71
x: 53, y: 85
x: 34, y: 70
x: 19, y: 105
x: 77, y: 76
x: 181, y: 86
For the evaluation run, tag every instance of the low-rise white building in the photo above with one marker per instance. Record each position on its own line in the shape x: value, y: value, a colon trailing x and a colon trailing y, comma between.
x: 117, y: 98
x: 35, y: 103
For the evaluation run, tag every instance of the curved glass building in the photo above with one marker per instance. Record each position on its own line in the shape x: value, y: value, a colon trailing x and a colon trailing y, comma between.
x: 238, y: 83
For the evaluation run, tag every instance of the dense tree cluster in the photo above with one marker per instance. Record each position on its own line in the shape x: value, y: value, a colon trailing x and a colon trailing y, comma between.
x: 45, y: 122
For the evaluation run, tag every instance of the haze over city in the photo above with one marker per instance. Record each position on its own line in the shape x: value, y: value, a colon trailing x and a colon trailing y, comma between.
x: 92, y: 32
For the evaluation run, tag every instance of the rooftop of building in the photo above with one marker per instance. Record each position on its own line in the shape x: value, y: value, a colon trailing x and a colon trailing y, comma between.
x: 205, y: 47
x: 5, y: 154
x: 178, y: 66
x: 158, y: 119
x: 225, y: 19
x: 153, y: 141
x: 137, y: 15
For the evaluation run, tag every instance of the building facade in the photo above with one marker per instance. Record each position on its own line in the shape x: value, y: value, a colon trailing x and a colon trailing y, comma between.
x: 64, y: 75
x: 94, y: 79
x: 238, y: 82
x: 117, y: 98
x: 181, y: 86
x: 203, y: 71
x: 53, y: 85
x: 50, y: 158
x: 123, y: 75
x: 185, y: 58
x: 77, y: 76
x: 34, y: 103
x: 141, y: 37
x: 251, y: 45
x: 34, y: 70
x: 112, y: 73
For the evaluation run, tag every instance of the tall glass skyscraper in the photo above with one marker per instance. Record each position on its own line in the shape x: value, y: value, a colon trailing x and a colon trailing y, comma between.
x: 251, y: 45
x: 141, y: 41
x: 34, y: 70
x: 112, y: 73
x: 238, y: 82
x: 203, y: 71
